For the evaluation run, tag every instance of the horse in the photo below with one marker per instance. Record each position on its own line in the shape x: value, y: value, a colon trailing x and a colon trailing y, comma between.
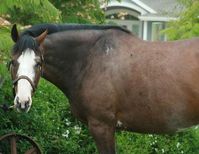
x: 112, y: 79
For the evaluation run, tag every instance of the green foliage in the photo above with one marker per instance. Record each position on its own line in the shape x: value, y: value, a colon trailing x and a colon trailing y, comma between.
x: 81, y: 11
x: 188, y: 24
x: 43, y: 11
x: 183, y: 142
x: 5, y: 43
x: 30, y: 12
x: 49, y: 122
x: 187, y: 3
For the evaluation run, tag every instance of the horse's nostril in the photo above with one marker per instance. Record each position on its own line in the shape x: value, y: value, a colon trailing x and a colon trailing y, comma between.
x: 22, y: 105
x: 17, y: 100
x: 26, y: 104
x: 18, y: 104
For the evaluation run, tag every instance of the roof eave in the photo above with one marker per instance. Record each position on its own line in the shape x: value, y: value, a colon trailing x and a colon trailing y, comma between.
x: 156, y: 18
x: 144, y: 6
x: 124, y: 4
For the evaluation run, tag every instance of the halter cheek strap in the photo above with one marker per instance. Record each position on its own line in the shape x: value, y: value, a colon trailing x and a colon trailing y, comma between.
x: 26, y: 78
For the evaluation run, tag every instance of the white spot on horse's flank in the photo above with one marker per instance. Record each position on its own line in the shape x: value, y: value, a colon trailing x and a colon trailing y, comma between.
x: 108, y: 50
x: 119, y: 123
x: 26, y: 67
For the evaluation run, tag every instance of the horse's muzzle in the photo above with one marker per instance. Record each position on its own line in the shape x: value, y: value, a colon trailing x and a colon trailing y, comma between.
x: 22, y: 106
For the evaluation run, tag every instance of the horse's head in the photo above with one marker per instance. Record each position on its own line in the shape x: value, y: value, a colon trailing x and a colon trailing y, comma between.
x: 25, y: 67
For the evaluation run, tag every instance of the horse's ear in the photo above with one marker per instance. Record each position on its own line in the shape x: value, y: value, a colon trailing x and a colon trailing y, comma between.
x: 42, y: 36
x: 14, y: 33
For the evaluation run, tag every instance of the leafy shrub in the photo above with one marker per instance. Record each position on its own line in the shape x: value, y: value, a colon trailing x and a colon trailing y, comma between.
x: 81, y: 11
x: 188, y: 24
x: 5, y: 43
x: 30, y: 12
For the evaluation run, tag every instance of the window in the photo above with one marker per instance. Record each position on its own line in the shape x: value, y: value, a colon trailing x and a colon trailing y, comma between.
x: 157, y: 27
x: 136, y: 29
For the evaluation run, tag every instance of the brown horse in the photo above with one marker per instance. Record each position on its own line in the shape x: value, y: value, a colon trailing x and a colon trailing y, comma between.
x: 112, y: 79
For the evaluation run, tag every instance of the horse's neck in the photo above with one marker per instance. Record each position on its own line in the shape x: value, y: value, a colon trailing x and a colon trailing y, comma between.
x: 65, y: 57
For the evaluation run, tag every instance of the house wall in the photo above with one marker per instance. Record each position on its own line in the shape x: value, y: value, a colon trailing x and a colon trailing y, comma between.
x: 140, y: 25
x: 135, y: 26
x: 152, y: 32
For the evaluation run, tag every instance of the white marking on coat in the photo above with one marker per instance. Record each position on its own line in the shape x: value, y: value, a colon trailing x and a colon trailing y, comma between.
x: 108, y: 50
x: 119, y: 123
x: 26, y: 67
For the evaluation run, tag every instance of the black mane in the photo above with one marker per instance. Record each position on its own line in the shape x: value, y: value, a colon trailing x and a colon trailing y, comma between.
x: 27, y: 41
x: 36, y: 30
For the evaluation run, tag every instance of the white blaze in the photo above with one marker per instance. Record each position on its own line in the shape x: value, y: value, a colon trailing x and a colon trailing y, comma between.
x: 26, y: 68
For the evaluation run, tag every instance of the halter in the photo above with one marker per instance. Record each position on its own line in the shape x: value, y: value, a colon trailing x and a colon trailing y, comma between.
x: 15, y: 81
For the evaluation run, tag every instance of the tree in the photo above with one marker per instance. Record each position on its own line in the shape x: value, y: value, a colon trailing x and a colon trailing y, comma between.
x: 187, y: 2
x: 81, y: 11
x: 29, y: 12
x: 187, y: 25
x: 51, y: 11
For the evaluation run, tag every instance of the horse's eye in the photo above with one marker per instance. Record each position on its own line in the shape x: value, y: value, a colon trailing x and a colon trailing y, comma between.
x: 38, y: 65
x: 10, y: 64
x: 13, y: 63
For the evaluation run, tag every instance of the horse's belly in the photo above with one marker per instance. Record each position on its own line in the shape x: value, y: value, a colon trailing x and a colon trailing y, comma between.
x: 156, y: 118
x: 157, y: 106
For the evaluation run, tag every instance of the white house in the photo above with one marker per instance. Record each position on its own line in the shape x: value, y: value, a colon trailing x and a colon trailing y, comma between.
x: 145, y: 18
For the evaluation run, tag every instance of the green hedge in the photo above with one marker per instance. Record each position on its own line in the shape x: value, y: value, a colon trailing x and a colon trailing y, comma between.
x: 187, y: 26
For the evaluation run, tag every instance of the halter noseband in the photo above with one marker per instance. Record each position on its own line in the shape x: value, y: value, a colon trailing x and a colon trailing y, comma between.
x: 26, y: 78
